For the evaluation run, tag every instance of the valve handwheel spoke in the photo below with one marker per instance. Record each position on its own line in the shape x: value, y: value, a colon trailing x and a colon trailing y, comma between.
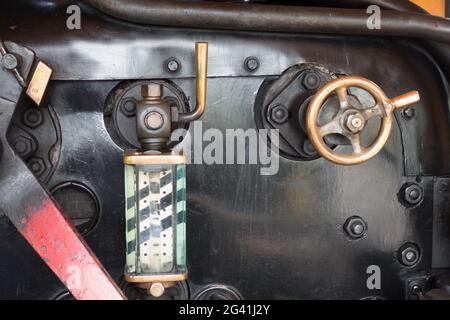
x: 355, y: 140
x: 331, y: 127
x: 351, y: 121
x: 376, y: 111
x: 342, y: 94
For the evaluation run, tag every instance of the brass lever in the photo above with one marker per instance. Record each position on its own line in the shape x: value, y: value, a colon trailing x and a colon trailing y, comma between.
x: 201, y: 59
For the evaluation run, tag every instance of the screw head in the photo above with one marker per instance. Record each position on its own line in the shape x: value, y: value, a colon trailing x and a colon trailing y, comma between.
x: 408, y: 113
x: 355, y: 227
x: 32, y: 118
x: 251, y: 64
x: 9, y: 61
x: 413, y: 194
x: 154, y: 120
x: 409, y: 254
x: 311, y: 81
x: 279, y: 114
x: 173, y: 65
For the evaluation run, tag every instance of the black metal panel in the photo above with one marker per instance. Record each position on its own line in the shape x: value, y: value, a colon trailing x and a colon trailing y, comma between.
x: 269, y: 237
x: 441, y: 229
x: 244, y: 228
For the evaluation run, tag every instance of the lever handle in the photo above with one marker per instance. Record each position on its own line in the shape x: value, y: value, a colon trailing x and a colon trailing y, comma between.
x: 405, y: 99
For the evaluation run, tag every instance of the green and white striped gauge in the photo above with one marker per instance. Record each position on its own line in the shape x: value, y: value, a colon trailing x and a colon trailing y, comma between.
x: 155, y: 189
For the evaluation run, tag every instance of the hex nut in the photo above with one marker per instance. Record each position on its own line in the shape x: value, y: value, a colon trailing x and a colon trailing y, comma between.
x: 355, y: 227
x: 409, y: 254
x: 279, y: 114
x: 251, y: 64
x: 32, y: 118
x: 37, y: 166
x: 413, y: 194
x: 152, y: 91
x: 23, y: 146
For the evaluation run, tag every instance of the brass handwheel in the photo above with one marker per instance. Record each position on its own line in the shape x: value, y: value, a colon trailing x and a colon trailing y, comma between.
x: 350, y: 121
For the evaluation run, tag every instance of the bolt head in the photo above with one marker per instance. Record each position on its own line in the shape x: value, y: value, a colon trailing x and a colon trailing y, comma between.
x: 32, y: 118
x: 154, y: 120
x: 413, y: 194
x: 409, y: 254
x: 251, y: 64
x: 408, y: 113
x: 173, y: 65
x: 279, y: 114
x: 358, y: 228
x: 355, y: 227
x: 311, y: 81
x: 9, y: 61
x: 309, y: 149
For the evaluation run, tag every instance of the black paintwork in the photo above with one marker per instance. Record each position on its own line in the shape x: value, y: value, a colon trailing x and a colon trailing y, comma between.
x: 270, y: 237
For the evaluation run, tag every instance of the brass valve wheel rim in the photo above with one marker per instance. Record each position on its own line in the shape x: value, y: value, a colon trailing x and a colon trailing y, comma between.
x: 343, y: 83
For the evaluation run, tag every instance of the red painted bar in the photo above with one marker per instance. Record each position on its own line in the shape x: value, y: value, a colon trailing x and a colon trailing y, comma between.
x: 67, y: 254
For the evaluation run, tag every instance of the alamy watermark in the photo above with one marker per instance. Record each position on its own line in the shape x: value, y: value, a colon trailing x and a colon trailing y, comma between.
x: 73, y: 22
x: 231, y: 146
x: 374, y: 280
x: 374, y: 20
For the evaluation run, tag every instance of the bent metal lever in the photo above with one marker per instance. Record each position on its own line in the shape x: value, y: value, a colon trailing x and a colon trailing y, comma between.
x: 351, y: 120
x: 30, y: 208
